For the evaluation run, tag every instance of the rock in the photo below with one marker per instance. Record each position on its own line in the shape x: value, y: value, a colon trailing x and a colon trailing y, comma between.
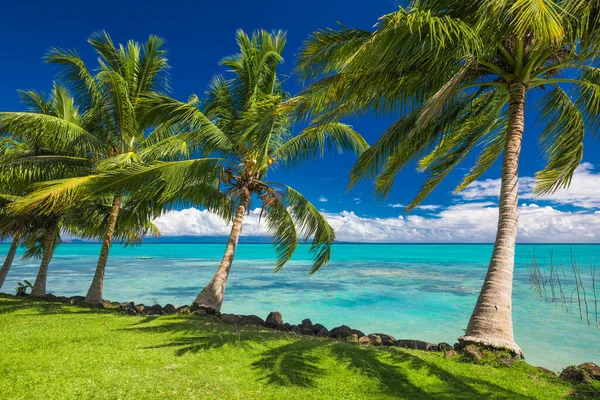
x: 386, y: 340
x: 317, y: 328
x: 194, y: 307
x: 472, y: 352
x: 591, y: 369
x: 130, y: 305
x: 323, y: 332
x: 414, y: 344
x: 296, y: 330
x: 352, y: 338
x: 358, y: 333
x: 273, y: 319
x: 183, y: 310
x: 284, y: 327
x: 64, y: 299
x: 444, y: 346
x: 375, y: 339
x: 48, y: 297
x: 340, y: 332
x: 252, y: 320
x: 575, y: 374
x: 140, y: 309
x: 114, y: 304
x: 306, y: 324
x: 77, y: 300
x: 450, y: 353
x: 169, y: 309
x: 546, y: 371
x: 365, y: 340
x: 154, y: 310
x: 229, y: 318
x: 201, y: 311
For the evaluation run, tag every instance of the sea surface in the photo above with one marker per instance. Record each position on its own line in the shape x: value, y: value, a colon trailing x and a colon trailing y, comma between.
x: 424, y: 292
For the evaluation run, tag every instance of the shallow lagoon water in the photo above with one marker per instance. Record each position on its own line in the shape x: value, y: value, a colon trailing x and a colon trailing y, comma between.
x: 422, y: 292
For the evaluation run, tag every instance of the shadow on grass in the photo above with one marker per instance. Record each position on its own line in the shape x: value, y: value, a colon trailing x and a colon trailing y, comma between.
x: 299, y: 363
x: 10, y: 304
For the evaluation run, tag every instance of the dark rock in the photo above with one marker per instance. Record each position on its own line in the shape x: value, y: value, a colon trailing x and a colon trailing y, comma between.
x: 450, y: 353
x: 358, y: 333
x: 458, y: 347
x: 575, y: 374
x: 340, y: 332
x: 252, y: 320
x: 323, y: 332
x: 592, y: 370
x: 414, y: 344
x: 306, y: 324
x: 444, y: 346
x: 317, y: 328
x: 273, y: 319
x: 169, y: 309
x: 130, y: 311
x: 77, y: 300
x: 184, y: 310
x: 546, y: 371
x: 375, y: 339
x: 154, y: 310
x: 386, y: 340
x: 140, y: 309
x: 472, y: 352
x: 48, y: 297
x: 64, y: 299
x: 130, y: 305
x: 229, y: 318
x: 296, y: 329
x: 200, y: 311
x: 284, y: 327
x: 194, y: 307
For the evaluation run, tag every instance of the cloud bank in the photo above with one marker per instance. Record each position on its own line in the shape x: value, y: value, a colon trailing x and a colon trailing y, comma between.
x: 472, y: 219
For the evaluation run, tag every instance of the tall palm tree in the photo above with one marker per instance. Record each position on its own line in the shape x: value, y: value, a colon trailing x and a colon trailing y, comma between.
x: 459, y: 73
x: 217, y: 155
x: 110, y: 103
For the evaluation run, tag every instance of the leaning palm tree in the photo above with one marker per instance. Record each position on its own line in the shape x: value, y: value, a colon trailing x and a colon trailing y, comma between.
x: 217, y: 155
x: 109, y: 102
x: 458, y: 74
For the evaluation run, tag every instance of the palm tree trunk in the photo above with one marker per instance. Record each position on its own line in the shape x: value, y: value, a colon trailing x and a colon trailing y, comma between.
x: 14, y: 245
x: 491, y: 322
x: 211, y: 296
x: 39, y: 287
x: 94, y: 294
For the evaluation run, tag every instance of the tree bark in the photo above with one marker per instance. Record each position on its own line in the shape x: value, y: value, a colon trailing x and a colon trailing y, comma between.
x: 212, y: 295
x: 94, y: 294
x: 491, y: 322
x: 39, y: 287
x: 14, y: 245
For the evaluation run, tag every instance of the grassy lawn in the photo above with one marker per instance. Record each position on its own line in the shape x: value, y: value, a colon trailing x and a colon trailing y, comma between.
x: 55, y: 351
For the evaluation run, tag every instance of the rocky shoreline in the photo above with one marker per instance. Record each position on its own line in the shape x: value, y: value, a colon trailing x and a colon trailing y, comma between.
x: 585, y: 373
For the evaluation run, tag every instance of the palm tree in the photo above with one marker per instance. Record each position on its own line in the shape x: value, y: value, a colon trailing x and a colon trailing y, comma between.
x: 110, y: 102
x: 245, y: 122
x: 29, y: 155
x: 458, y: 73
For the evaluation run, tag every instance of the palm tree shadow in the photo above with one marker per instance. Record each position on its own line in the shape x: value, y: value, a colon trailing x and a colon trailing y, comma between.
x: 293, y: 364
x: 11, y: 304
x: 392, y: 381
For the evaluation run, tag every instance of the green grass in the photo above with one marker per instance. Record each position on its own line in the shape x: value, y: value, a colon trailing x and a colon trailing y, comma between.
x: 56, y: 351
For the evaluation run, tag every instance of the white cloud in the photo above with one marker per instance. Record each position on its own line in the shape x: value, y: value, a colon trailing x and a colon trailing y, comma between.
x: 584, y: 190
x: 469, y: 222
x: 323, y: 199
x: 429, y: 207
x: 474, y: 220
x: 397, y: 205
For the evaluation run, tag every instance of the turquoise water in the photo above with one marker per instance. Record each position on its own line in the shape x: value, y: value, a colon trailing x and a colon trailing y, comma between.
x: 422, y: 292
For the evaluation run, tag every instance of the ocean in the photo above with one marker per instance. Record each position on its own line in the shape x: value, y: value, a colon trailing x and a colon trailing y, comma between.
x: 422, y: 291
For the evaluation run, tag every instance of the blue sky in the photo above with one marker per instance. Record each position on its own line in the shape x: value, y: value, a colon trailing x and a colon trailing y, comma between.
x: 199, y: 34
